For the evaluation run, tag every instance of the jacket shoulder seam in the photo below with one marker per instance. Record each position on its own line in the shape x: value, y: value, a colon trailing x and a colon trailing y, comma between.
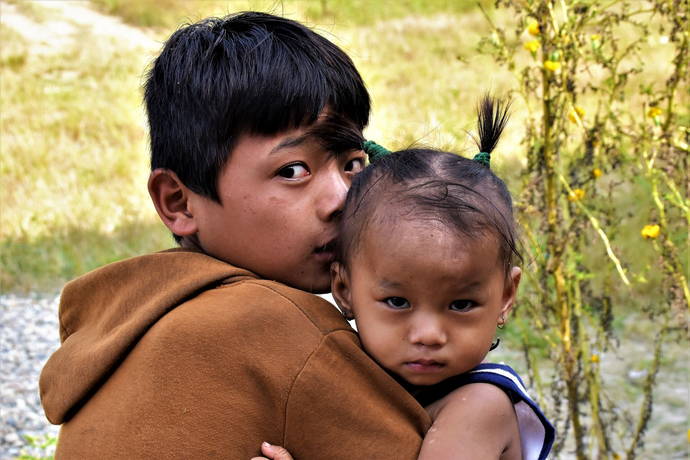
x: 299, y: 374
x: 291, y: 301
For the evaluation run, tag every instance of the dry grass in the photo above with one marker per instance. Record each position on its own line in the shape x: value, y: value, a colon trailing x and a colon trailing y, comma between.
x: 74, y: 154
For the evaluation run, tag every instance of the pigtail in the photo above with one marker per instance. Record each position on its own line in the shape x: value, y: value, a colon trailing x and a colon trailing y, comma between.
x: 492, y: 116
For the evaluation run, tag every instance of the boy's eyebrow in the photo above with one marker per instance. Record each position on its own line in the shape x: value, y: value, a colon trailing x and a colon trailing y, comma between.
x: 289, y: 143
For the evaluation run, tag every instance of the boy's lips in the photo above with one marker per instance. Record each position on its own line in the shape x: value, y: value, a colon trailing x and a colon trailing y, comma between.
x: 326, y: 252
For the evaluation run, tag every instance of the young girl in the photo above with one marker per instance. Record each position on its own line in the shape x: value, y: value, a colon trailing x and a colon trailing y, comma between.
x: 426, y: 267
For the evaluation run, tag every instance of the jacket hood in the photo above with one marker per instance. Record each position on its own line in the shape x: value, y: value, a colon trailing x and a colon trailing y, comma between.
x: 104, y: 313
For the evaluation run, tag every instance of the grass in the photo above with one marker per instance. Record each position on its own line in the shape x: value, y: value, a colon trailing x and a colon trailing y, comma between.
x: 345, y: 13
x: 74, y: 159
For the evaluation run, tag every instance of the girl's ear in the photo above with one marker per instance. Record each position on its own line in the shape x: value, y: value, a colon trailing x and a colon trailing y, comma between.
x: 340, y: 288
x: 509, y: 292
x: 171, y: 199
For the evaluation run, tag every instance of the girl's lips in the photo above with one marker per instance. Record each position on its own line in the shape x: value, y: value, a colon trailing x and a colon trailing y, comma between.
x: 424, y: 366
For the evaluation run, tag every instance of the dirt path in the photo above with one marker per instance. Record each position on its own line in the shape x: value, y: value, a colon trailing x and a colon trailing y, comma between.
x: 52, y: 25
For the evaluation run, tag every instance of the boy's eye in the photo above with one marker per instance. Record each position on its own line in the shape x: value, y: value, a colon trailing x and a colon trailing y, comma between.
x: 355, y: 165
x: 397, y: 303
x: 462, y: 305
x: 294, y: 171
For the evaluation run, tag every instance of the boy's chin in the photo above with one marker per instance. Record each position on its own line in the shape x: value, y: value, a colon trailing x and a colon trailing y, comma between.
x: 321, y: 288
x: 316, y: 283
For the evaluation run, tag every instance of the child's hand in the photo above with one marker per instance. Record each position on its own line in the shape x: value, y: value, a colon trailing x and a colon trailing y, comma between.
x: 273, y: 453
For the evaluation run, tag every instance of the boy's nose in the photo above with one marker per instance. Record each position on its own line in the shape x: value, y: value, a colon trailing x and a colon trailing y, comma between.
x: 332, y: 195
x: 427, y: 330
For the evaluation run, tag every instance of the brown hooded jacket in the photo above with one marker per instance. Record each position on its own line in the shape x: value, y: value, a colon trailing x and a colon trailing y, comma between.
x: 179, y: 355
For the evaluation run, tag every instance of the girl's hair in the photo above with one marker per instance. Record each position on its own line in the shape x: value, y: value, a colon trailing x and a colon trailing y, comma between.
x: 435, y: 186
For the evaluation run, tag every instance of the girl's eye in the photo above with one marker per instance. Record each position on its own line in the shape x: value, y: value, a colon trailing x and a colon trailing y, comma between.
x: 294, y: 171
x: 355, y: 165
x: 462, y: 305
x: 397, y: 303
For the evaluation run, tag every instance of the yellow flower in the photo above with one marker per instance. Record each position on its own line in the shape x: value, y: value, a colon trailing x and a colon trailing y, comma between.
x: 654, y: 112
x: 650, y: 231
x: 532, y: 46
x: 533, y: 28
x: 594, y: 358
x: 576, y: 114
x: 576, y: 195
x: 553, y: 66
x: 595, y: 40
x: 597, y: 173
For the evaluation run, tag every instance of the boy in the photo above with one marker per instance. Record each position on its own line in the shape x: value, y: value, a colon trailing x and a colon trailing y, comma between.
x: 191, y: 353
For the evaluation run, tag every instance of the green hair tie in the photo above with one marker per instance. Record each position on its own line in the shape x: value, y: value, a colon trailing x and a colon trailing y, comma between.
x: 484, y: 158
x: 374, y: 151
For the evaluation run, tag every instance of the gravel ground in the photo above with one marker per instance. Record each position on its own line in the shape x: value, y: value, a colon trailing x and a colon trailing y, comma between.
x: 28, y: 335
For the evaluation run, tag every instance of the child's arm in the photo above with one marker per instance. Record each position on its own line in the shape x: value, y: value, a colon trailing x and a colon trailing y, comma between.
x: 476, y: 421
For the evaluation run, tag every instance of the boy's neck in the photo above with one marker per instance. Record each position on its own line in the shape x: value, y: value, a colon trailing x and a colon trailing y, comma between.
x: 192, y: 242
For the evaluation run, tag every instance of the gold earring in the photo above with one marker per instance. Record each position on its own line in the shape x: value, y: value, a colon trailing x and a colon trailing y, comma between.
x: 501, y: 322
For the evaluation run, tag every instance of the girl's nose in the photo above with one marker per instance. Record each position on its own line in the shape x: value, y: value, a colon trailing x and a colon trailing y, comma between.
x: 332, y: 193
x: 427, y: 330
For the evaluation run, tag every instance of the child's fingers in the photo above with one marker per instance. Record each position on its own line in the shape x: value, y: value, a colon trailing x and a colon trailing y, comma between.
x: 274, y: 452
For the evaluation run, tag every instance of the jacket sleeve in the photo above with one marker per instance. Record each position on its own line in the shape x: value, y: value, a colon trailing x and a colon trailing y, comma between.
x: 208, y: 380
x: 343, y: 406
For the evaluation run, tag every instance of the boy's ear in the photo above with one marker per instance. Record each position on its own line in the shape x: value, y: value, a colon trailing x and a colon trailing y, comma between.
x: 340, y: 288
x: 171, y: 199
x: 510, y: 291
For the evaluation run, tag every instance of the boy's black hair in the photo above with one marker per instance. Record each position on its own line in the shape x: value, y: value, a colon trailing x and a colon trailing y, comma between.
x: 249, y: 73
x: 462, y: 194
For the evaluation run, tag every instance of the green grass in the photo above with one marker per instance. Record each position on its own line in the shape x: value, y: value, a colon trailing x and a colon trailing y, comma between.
x: 74, y: 159
x: 345, y: 13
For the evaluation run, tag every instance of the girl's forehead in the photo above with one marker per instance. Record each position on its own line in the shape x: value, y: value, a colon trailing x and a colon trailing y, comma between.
x: 416, y: 257
x: 398, y: 224
x: 417, y: 237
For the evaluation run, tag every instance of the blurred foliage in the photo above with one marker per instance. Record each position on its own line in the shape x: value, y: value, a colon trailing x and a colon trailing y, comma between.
x: 167, y: 15
x: 148, y: 13
x: 605, y: 187
x: 171, y: 13
x: 38, y: 448
x: 364, y: 12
